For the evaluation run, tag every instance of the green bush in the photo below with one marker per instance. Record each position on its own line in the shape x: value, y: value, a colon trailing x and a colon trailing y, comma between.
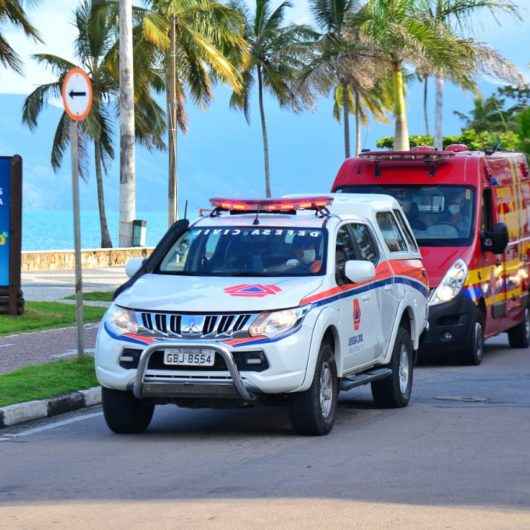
x: 476, y: 141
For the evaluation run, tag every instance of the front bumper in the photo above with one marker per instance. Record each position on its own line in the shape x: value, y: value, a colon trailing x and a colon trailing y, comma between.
x: 287, y: 360
x: 149, y: 387
x: 450, y: 325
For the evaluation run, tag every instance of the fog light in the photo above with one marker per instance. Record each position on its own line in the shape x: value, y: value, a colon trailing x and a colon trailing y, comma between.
x: 447, y: 336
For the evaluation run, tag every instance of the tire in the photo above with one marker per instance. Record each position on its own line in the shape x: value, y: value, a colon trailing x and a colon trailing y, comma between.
x: 395, y: 390
x: 124, y: 413
x: 519, y: 336
x: 473, y: 353
x: 313, y: 412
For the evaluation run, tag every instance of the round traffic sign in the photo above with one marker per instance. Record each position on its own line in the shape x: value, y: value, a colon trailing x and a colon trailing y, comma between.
x: 77, y: 94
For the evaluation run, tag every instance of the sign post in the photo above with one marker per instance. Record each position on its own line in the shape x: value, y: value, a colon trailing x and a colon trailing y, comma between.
x: 77, y: 99
x: 11, y: 301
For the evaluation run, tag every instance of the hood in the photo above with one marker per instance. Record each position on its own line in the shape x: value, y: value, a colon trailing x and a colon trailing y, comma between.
x: 438, y: 260
x: 161, y: 292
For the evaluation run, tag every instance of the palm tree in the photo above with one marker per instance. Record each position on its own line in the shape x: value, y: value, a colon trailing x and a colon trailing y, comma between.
x: 277, y: 54
x: 12, y: 11
x: 344, y: 60
x: 196, y: 42
x: 404, y: 35
x: 455, y: 15
x: 96, y: 49
x: 127, y: 124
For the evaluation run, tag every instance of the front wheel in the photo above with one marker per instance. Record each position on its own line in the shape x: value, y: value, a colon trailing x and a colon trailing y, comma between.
x: 124, y: 413
x: 395, y: 390
x: 313, y: 411
x: 519, y: 336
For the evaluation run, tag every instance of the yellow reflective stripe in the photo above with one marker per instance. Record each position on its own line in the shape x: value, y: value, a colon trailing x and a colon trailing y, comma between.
x: 483, y: 274
x: 502, y: 297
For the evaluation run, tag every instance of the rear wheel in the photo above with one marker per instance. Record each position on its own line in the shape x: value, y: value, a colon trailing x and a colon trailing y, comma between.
x: 395, y: 390
x: 313, y: 411
x: 519, y: 336
x: 124, y: 413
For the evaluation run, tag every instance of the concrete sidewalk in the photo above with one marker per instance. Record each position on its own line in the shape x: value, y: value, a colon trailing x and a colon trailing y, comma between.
x: 56, y: 285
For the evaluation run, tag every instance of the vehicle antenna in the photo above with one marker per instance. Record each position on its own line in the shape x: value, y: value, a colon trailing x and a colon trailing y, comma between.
x: 256, y: 220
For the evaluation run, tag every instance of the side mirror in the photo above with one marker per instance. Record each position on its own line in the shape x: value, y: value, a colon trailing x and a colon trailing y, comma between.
x: 359, y: 271
x: 133, y: 266
x: 497, y: 240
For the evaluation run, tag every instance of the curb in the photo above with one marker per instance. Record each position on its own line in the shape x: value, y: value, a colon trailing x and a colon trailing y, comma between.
x: 46, y: 408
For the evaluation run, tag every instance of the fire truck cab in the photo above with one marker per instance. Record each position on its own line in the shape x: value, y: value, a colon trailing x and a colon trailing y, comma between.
x: 470, y: 213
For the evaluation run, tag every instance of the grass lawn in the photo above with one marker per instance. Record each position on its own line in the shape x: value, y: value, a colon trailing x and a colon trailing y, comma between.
x: 45, y: 315
x: 96, y: 296
x: 46, y: 380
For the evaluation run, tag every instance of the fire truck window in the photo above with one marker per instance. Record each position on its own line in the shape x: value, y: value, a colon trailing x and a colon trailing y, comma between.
x: 439, y: 215
x: 391, y: 233
x: 365, y: 243
x: 487, y: 212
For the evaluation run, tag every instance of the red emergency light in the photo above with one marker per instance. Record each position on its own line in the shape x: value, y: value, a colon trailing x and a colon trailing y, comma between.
x: 272, y: 205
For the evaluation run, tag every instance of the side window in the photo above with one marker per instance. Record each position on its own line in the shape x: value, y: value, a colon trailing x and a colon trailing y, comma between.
x: 344, y: 251
x: 391, y: 233
x: 486, y: 223
x: 365, y: 243
x: 405, y: 229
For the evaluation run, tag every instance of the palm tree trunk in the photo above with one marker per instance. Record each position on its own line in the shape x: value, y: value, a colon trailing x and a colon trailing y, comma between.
x: 346, y: 120
x: 106, y: 241
x: 265, y: 136
x: 426, y: 105
x: 127, y: 126
x: 439, y: 111
x: 401, y: 136
x: 358, y: 139
x: 172, y: 126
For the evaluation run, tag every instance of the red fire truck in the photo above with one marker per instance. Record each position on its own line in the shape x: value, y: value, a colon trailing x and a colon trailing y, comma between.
x: 470, y: 212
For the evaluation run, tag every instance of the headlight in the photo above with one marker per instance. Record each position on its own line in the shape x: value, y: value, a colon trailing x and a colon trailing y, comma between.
x: 275, y: 323
x: 121, y: 320
x: 451, y: 285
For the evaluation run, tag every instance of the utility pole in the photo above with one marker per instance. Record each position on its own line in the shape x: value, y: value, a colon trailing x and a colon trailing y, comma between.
x: 127, y: 126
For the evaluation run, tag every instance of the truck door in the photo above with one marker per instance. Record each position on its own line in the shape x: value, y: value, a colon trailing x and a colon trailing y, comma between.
x: 391, y: 294
x: 360, y: 321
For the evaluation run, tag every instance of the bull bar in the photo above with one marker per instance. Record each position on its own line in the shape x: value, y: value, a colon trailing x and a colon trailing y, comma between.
x: 189, y: 386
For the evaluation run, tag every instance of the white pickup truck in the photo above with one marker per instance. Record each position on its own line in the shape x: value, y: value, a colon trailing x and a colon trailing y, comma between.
x: 288, y: 300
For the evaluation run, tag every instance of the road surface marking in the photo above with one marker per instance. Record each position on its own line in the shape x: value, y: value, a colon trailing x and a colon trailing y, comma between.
x: 43, y: 428
x: 6, y: 345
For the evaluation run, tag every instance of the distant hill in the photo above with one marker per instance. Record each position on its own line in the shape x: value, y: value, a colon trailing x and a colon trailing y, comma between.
x: 221, y: 155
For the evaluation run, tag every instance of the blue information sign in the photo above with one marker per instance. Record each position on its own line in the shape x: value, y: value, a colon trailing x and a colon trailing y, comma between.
x: 5, y: 219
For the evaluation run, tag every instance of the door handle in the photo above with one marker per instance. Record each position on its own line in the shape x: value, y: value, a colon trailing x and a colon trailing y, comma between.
x: 366, y: 298
x: 387, y: 287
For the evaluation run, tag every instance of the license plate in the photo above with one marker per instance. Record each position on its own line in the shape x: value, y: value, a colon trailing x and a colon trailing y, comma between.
x: 189, y: 357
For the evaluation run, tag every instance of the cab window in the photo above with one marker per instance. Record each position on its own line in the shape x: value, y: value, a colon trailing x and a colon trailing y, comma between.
x: 391, y: 234
x: 344, y: 251
x: 366, y: 244
x: 405, y: 229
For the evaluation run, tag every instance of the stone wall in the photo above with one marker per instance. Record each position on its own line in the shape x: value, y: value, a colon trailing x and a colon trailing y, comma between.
x: 63, y: 260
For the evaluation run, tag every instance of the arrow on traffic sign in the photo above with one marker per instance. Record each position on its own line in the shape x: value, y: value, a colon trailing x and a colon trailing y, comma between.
x: 74, y: 94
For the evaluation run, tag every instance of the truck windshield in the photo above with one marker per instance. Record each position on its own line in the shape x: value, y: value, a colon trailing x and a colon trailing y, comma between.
x: 439, y: 215
x: 247, y: 251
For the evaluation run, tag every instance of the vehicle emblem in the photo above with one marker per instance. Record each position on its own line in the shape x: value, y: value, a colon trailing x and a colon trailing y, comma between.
x: 252, y: 291
x: 191, y: 324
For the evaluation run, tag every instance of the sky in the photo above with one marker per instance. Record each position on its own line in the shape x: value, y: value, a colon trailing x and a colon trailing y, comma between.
x: 54, y: 19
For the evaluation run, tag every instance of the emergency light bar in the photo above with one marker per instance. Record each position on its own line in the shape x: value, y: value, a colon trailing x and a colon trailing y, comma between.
x: 317, y: 203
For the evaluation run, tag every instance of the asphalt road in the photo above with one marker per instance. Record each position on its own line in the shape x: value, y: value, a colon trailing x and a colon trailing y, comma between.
x: 458, y: 457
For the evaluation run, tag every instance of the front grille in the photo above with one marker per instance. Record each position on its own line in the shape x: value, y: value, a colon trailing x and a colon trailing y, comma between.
x: 196, y: 326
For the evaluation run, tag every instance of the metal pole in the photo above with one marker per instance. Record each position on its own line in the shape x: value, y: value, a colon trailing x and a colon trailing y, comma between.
x: 77, y: 240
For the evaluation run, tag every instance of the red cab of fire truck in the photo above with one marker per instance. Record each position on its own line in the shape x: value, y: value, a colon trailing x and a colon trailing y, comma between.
x: 470, y: 212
